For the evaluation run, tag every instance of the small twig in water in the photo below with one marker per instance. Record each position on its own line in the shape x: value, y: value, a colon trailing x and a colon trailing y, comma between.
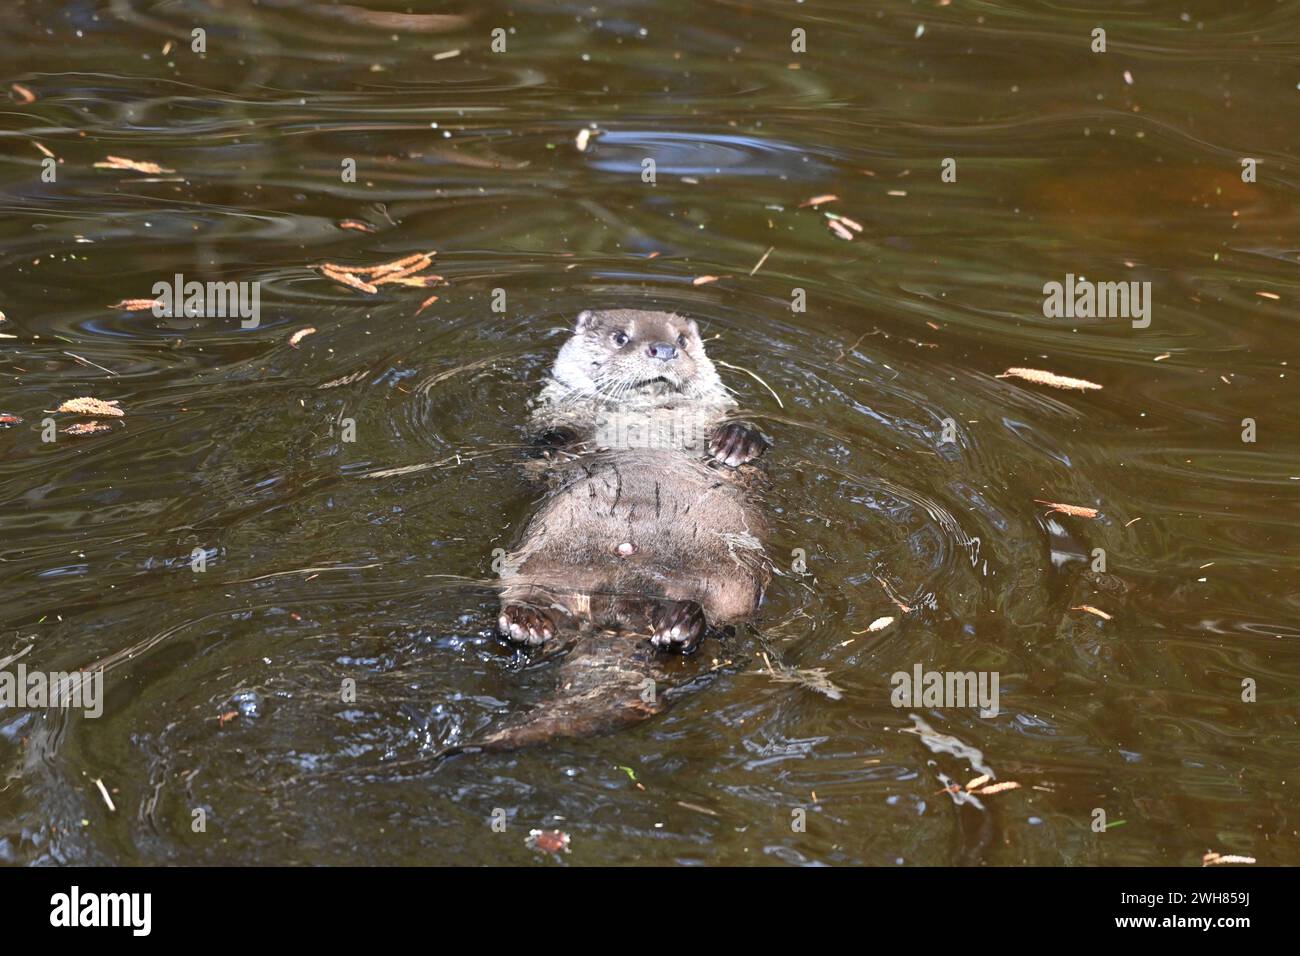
x: 741, y: 368
x: 89, y: 362
x: 103, y: 790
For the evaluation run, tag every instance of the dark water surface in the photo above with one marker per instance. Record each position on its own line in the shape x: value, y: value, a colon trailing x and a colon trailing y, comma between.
x: 329, y: 560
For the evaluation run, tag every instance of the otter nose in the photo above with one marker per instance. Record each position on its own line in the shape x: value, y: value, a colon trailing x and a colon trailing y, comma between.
x: 661, y: 350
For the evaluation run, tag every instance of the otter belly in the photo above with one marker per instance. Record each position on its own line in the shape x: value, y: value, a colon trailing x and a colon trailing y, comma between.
x: 625, y: 527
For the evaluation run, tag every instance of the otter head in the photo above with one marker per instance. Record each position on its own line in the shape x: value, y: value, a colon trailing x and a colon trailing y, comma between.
x: 626, y: 355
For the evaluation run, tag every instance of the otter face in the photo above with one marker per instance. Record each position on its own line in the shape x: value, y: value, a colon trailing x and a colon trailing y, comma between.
x: 629, y: 354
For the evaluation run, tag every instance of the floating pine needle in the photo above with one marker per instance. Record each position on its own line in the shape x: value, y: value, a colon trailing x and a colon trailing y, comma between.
x: 1040, y: 377
x: 399, y: 269
x: 1092, y: 610
x: 997, y: 788
x: 752, y: 375
x: 86, y: 361
x: 398, y: 265
x: 758, y: 265
x: 357, y: 225
x: 134, y: 305
x: 889, y: 593
x: 697, y: 808
x: 819, y: 200
x: 1077, y: 511
x: 1214, y: 859
x: 394, y: 22
x: 121, y: 162
x: 844, y: 220
x: 91, y: 406
x: 415, y: 282
x: 103, y: 792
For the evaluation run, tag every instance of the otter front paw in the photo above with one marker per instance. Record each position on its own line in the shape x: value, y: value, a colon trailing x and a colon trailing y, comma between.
x: 736, y: 444
x: 526, y: 625
x: 677, y: 625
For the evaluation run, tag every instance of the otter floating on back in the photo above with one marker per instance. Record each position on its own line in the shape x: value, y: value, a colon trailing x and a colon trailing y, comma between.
x: 649, y: 528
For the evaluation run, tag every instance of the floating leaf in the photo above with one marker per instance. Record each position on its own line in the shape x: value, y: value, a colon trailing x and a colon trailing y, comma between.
x: 548, y: 841
x: 1077, y: 510
x: 91, y: 406
x: 1040, y: 377
x: 87, y: 428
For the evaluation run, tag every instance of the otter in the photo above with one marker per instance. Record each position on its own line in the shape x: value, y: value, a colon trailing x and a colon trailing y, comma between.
x: 649, y: 534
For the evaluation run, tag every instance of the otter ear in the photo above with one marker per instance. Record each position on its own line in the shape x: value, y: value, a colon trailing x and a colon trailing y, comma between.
x: 695, y: 329
x: 586, y: 318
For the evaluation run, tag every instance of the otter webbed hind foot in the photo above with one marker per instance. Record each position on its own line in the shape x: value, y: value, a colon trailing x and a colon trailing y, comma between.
x: 737, y: 443
x: 677, y: 625
x: 527, y: 625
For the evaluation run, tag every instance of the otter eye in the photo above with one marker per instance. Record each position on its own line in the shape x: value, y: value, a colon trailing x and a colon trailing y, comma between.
x: 681, y: 340
x: 620, y: 338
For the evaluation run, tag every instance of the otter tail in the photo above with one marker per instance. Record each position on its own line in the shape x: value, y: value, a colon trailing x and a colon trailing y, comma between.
x: 607, y: 680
